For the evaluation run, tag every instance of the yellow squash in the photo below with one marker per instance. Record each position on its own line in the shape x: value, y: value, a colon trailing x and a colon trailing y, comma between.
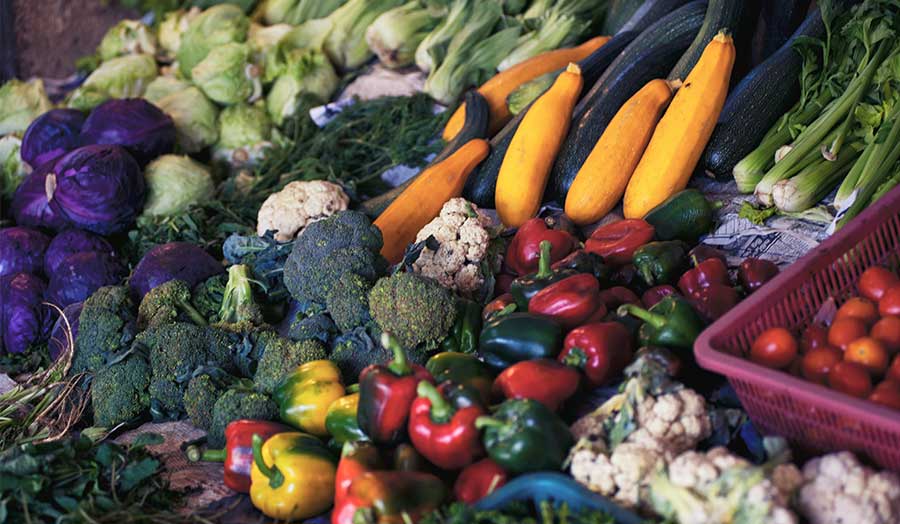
x: 683, y: 131
x: 601, y: 181
x: 532, y: 151
x: 502, y: 84
x: 424, y: 198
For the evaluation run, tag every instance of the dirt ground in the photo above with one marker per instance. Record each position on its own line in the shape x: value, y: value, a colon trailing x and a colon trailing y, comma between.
x: 52, y: 34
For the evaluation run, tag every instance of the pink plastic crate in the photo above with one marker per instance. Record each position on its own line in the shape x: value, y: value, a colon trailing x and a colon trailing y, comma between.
x: 812, y: 416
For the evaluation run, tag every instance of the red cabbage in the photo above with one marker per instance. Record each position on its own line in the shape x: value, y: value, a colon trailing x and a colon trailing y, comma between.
x: 24, y: 320
x: 30, y: 206
x: 175, y: 260
x: 80, y: 274
x: 99, y: 188
x: 51, y: 135
x: 22, y: 250
x: 70, y: 242
x: 58, y: 340
x: 133, y: 123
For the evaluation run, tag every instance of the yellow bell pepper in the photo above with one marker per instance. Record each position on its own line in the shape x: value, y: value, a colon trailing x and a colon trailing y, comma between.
x: 292, y: 477
x: 303, y: 397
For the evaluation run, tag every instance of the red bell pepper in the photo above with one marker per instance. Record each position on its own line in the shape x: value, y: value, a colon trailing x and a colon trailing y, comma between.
x: 479, y: 480
x: 502, y: 284
x: 386, y: 393
x: 714, y: 301
x: 497, y: 305
x: 614, y: 297
x: 524, y: 250
x: 704, y: 274
x: 754, y: 272
x: 444, y: 434
x: 544, y: 380
x: 617, y: 242
x: 653, y: 295
x: 238, y: 452
x: 569, y: 301
x: 703, y: 252
x: 357, y: 457
x: 600, y: 349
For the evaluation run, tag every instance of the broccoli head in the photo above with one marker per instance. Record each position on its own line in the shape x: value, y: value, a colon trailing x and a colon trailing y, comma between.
x: 316, y: 327
x: 203, y: 390
x: 168, y: 302
x: 238, y: 304
x: 414, y: 309
x: 175, y: 351
x: 235, y: 347
x: 281, y: 356
x: 348, y: 301
x: 356, y: 350
x: 119, y: 390
x: 342, y: 243
x: 207, y: 297
x: 106, y: 327
x: 237, y: 403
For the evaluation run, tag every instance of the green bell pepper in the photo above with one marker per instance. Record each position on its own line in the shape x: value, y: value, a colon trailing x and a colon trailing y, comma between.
x: 527, y: 286
x: 462, y: 369
x: 519, y: 336
x: 684, y: 216
x: 463, y: 336
x: 671, y: 323
x: 340, y: 420
x: 523, y: 435
x: 661, y: 262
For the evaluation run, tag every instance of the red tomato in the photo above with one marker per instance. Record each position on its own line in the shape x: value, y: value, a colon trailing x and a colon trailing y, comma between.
x: 817, y: 363
x: 850, y: 378
x: 843, y: 331
x: 869, y: 353
x: 887, y: 393
x: 893, y: 372
x: 875, y: 281
x: 889, y: 304
x: 858, y: 307
x: 617, y: 242
x: 887, y: 331
x: 814, y: 336
x: 774, y: 348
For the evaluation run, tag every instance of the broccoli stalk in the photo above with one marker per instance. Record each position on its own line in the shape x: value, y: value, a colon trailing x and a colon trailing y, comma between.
x: 167, y: 303
x: 238, y: 304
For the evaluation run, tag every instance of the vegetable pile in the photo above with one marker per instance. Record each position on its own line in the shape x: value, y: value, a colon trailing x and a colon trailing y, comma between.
x: 472, y: 300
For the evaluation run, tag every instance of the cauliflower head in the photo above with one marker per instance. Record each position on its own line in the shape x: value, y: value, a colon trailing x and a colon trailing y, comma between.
x: 299, y: 204
x: 463, y: 235
x: 838, y: 489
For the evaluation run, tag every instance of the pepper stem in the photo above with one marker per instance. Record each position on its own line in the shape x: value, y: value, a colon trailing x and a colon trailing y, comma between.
x: 276, y: 479
x: 441, y: 410
x: 544, y: 261
x: 488, y: 422
x: 399, y: 365
x: 654, y: 319
x: 695, y: 261
x: 576, y: 357
x: 647, y: 275
x: 351, y: 389
x: 210, y: 455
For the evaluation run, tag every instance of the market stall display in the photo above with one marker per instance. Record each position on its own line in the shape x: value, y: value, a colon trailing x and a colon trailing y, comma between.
x: 452, y: 261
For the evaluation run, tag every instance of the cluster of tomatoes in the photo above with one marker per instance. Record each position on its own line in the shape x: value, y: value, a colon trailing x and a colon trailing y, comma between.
x: 858, y: 354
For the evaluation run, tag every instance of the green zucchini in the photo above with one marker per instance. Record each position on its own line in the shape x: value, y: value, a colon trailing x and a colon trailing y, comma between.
x: 757, y: 102
x: 474, y: 126
x: 721, y: 15
x: 781, y: 18
x: 649, y: 12
x: 651, y: 55
x: 683, y: 216
x: 618, y: 14
x: 480, y: 185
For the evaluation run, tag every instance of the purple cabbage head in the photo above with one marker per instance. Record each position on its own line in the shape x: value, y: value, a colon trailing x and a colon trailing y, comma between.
x: 80, y: 274
x: 133, y: 123
x: 99, y: 188
x: 51, y: 135
x: 70, y: 242
x: 24, y: 320
x: 175, y: 260
x: 59, y: 342
x: 22, y: 250
x: 30, y: 206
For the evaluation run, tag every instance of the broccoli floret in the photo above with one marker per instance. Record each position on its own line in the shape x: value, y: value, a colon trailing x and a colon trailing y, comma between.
x: 348, y: 301
x: 166, y: 303
x: 207, y: 297
x: 413, y: 308
x: 238, y: 304
x: 203, y: 390
x: 316, y: 327
x: 175, y: 351
x: 235, y: 404
x: 234, y: 346
x: 281, y: 356
x: 354, y: 351
x: 342, y: 243
x: 106, y: 327
x: 119, y: 391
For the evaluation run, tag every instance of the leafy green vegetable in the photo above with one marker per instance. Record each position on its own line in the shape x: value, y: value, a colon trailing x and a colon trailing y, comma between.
x: 517, y: 513
x: 756, y: 215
